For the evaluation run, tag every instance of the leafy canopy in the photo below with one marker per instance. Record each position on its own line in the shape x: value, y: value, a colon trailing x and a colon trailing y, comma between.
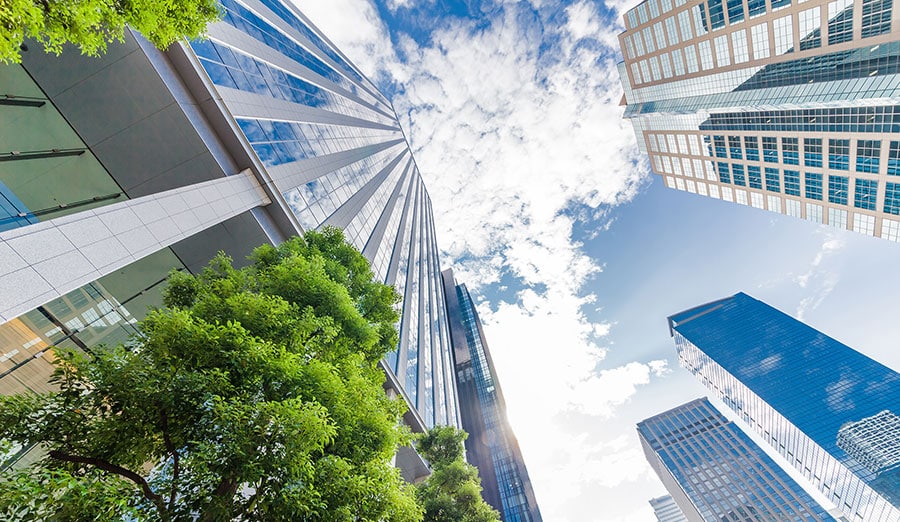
x: 253, y: 395
x: 452, y: 493
x: 91, y: 24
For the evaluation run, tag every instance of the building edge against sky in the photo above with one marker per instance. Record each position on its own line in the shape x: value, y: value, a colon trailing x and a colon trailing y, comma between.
x: 715, y: 472
x: 120, y: 168
x: 666, y: 510
x: 814, y: 400
x: 492, y: 446
x: 785, y: 106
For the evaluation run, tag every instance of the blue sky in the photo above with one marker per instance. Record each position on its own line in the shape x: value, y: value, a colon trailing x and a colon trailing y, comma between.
x: 545, y: 208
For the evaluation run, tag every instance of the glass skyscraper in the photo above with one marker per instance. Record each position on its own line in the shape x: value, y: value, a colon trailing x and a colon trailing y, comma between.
x: 785, y: 106
x: 491, y: 446
x: 666, y: 510
x: 716, y: 473
x: 830, y: 411
x: 120, y: 168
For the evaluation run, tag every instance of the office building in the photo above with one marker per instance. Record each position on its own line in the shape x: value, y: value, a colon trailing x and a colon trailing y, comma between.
x: 666, y: 510
x: 716, y: 473
x: 785, y: 106
x: 120, y: 168
x: 491, y: 446
x: 830, y: 411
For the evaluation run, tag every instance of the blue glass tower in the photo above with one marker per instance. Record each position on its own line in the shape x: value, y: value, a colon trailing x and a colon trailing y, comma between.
x: 826, y: 408
x: 716, y: 473
x: 492, y: 446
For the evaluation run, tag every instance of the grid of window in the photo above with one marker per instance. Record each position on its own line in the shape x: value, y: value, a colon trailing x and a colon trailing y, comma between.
x: 893, y: 165
x: 843, y: 119
x: 792, y: 182
x: 813, y: 186
x: 812, y: 152
x: 724, y: 175
x: 840, y: 21
x: 790, y: 151
x: 734, y: 147
x: 770, y: 149
x: 838, y: 188
x: 720, y: 149
x: 876, y: 17
x: 810, y: 29
x: 773, y: 182
x: 892, y: 198
x: 865, y: 194
x: 839, y: 154
x: 754, y: 178
x: 735, y: 11
x: 737, y: 172
x: 751, y: 145
x: 867, y: 154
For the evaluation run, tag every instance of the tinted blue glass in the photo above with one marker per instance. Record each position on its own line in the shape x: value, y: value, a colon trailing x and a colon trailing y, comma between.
x: 773, y: 181
x: 876, y: 17
x: 790, y: 151
x: 751, y: 145
x: 812, y: 152
x: 724, y: 175
x: 813, y: 185
x: 719, y: 144
x: 734, y: 147
x: 716, y: 14
x: 817, y: 383
x: 792, y: 182
x: 735, y: 11
x: 866, y: 193
x: 780, y: 3
x: 893, y: 165
x: 756, y: 7
x: 737, y: 171
x: 839, y: 154
x: 892, y: 198
x: 753, y: 177
x: 770, y: 149
x: 838, y: 188
x: 868, y: 153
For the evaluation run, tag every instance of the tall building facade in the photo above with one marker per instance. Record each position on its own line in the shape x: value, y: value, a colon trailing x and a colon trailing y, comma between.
x: 118, y: 169
x: 491, y: 446
x: 666, y: 510
x: 716, y: 473
x: 785, y: 106
x: 830, y: 411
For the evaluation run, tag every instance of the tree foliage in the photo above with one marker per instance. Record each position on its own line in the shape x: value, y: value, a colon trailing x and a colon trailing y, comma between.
x: 452, y: 493
x: 253, y: 395
x: 91, y: 24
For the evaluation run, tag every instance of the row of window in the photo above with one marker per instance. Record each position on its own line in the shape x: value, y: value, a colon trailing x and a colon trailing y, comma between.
x: 764, y: 40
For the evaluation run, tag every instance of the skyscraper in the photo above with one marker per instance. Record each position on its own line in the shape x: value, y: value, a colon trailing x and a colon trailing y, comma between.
x: 666, y: 510
x: 788, y: 107
x: 491, y: 446
x: 826, y: 408
x: 121, y: 168
x: 715, y: 472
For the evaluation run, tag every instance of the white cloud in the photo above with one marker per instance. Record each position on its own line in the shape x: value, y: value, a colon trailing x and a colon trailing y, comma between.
x: 820, y: 280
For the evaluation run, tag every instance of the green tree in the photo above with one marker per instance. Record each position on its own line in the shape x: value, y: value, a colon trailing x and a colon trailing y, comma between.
x: 452, y: 493
x: 253, y: 395
x: 91, y: 24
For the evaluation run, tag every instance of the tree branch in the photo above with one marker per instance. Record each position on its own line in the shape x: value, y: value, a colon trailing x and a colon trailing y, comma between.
x: 118, y: 470
x: 170, y: 447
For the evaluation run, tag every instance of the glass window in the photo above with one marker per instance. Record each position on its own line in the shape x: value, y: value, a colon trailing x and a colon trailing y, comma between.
x: 892, y: 198
x: 893, y: 166
x: 838, y: 189
x: 706, y: 60
x: 865, y: 194
x: 784, y: 35
x: 724, y: 175
x: 840, y: 21
x: 648, y: 39
x: 734, y: 147
x: 751, y: 145
x: 671, y: 30
x: 737, y: 172
x: 876, y: 17
x: 666, y: 65
x: 684, y: 24
x: 678, y: 62
x: 839, y: 154
x: 868, y: 153
x: 723, y: 55
x: 660, y: 36
x: 770, y: 149
x: 690, y: 58
x: 756, y: 7
x: 813, y: 186
x: 790, y: 151
x: 778, y: 4
x: 760, y: 34
x: 754, y: 178
x: 812, y: 152
x: 791, y: 182
x: 739, y: 46
x: 716, y: 14
x: 810, y: 29
x: 719, y: 146
x: 735, y: 11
